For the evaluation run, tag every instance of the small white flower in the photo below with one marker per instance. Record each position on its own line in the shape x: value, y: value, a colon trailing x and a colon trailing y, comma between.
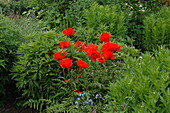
x: 140, y: 57
x: 98, y: 96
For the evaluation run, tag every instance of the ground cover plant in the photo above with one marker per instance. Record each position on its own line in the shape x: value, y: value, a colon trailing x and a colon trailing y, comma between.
x: 85, y: 55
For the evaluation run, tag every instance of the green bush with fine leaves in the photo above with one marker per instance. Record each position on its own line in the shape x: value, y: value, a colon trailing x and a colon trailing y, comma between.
x: 10, y: 38
x: 144, y: 85
x: 41, y: 79
x: 157, y: 30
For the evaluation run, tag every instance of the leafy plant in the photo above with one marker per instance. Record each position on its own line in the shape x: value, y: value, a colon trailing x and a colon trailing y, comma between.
x: 138, y: 88
x: 36, y: 71
x: 27, y: 26
x: 50, y: 12
x: 45, y: 83
x: 76, y: 12
x: 135, y: 12
x: 97, y: 16
x: 157, y: 29
x: 9, y: 41
x: 93, y: 84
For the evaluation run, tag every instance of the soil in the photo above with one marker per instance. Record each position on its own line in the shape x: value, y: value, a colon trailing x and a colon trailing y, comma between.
x: 12, y: 108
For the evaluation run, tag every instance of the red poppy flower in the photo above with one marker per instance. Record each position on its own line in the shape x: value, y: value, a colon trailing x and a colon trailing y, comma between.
x: 79, y: 75
x: 110, y: 46
x: 68, y: 31
x: 66, y: 63
x: 90, y: 48
x: 108, y: 55
x: 79, y: 92
x: 60, y: 55
x: 80, y: 45
x: 94, y: 55
x: 82, y: 64
x: 101, y: 59
x: 64, y: 44
x: 105, y: 36
x: 66, y: 81
x: 76, y: 90
x: 117, y: 48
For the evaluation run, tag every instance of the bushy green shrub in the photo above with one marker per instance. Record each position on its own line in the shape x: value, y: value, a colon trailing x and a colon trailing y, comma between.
x: 9, y: 41
x: 93, y: 99
x: 41, y: 79
x: 106, y: 18
x: 10, y: 8
x: 28, y: 26
x: 144, y: 85
x: 50, y: 12
x: 157, y: 30
x: 91, y: 19
x: 76, y: 12
x: 134, y: 12
x: 3, y: 6
x: 36, y: 71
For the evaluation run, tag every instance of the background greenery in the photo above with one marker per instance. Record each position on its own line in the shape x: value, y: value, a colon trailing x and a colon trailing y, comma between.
x: 10, y: 38
x: 31, y: 29
x: 145, y: 81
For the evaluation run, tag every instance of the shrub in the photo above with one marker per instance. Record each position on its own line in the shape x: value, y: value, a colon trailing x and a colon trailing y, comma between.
x: 157, y: 30
x: 28, y: 26
x: 3, y: 6
x: 144, y: 84
x: 50, y: 12
x: 36, y: 72
x: 76, y: 12
x: 14, y: 7
x: 135, y: 12
x: 91, y: 19
x: 106, y: 17
x: 9, y: 41
x: 43, y: 81
x: 93, y: 95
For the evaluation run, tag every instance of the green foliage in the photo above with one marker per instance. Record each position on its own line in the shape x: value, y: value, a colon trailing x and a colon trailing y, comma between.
x: 50, y: 12
x: 9, y: 40
x: 144, y: 85
x: 90, y: 20
x: 94, y: 81
x: 14, y: 7
x: 106, y: 18
x: 157, y: 29
x: 3, y: 7
x: 36, y: 72
x: 76, y: 12
x: 134, y: 13
x: 41, y: 79
x: 28, y: 26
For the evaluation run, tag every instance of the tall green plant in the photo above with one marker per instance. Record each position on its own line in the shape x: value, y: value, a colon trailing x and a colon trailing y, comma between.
x: 43, y: 80
x: 36, y: 71
x: 144, y: 85
x: 135, y: 12
x: 107, y: 16
x: 50, y: 12
x: 10, y: 38
x: 157, y: 29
